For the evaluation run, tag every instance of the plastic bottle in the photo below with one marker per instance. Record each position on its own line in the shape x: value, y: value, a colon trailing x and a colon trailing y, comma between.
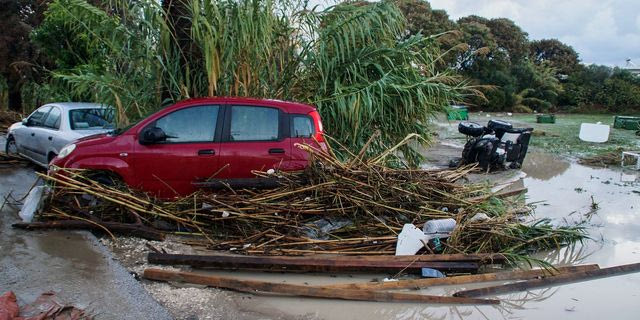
x: 439, y: 226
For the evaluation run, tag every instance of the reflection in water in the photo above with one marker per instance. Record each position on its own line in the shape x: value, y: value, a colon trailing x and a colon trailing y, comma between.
x: 544, y: 166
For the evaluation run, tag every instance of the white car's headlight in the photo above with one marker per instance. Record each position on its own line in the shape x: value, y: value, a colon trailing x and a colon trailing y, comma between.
x: 66, y: 150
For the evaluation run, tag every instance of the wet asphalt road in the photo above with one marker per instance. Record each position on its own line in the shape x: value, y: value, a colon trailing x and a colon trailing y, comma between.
x: 73, y: 264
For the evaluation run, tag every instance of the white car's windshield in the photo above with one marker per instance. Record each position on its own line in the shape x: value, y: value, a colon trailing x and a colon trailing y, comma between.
x: 91, y: 119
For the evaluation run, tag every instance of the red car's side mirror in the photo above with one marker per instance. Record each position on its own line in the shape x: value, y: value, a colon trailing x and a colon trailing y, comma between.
x: 152, y: 135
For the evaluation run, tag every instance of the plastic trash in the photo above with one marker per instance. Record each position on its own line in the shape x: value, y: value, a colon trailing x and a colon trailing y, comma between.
x: 321, y: 228
x: 444, y: 226
x: 410, y: 240
x: 32, y: 203
x: 479, y: 217
x: 432, y: 273
x: 593, y: 132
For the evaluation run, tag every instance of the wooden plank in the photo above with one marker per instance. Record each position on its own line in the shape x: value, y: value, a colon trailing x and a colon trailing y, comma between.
x: 478, y: 257
x: 279, y: 263
x: 475, y: 278
x: 552, y: 281
x: 251, y: 286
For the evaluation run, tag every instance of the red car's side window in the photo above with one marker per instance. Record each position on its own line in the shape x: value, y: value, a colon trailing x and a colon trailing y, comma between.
x: 195, y: 124
x: 250, y: 123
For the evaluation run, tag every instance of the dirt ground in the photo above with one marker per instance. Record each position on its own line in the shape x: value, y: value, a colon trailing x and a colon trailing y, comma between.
x: 561, y: 189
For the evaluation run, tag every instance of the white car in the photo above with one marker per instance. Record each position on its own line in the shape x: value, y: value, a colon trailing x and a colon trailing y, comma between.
x: 42, y: 135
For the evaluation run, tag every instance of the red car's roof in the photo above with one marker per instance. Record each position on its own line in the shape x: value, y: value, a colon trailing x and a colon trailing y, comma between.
x: 290, y: 106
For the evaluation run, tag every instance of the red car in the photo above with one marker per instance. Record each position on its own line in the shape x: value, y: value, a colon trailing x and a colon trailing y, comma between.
x: 201, y: 143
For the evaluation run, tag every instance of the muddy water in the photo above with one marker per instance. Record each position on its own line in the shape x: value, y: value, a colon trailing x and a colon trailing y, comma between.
x: 566, y: 189
x: 71, y: 264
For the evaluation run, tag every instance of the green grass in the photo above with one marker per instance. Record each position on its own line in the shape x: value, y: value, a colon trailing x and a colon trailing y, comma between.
x: 562, y: 137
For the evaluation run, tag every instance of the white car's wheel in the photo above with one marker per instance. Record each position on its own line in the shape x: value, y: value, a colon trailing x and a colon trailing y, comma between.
x: 11, y: 147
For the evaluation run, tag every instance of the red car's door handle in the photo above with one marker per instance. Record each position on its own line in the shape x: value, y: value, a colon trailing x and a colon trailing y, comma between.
x: 276, y: 150
x: 206, y: 152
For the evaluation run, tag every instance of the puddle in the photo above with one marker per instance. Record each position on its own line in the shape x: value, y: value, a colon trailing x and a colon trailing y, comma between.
x: 66, y: 262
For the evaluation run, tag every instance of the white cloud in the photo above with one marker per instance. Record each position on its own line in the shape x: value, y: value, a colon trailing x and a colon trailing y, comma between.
x: 603, y: 32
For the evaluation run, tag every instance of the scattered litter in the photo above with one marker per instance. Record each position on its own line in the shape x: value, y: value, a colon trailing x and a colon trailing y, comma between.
x: 410, y: 240
x: 33, y: 203
x: 592, y: 132
x: 480, y: 217
x: 439, y: 226
x: 321, y: 228
x: 431, y: 273
x: 45, y: 307
x: 628, y: 177
x: 635, y: 156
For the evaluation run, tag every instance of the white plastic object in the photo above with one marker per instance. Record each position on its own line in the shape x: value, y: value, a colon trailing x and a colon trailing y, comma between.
x: 32, y: 203
x: 410, y: 240
x: 479, y: 217
x: 593, y: 132
x: 445, y: 226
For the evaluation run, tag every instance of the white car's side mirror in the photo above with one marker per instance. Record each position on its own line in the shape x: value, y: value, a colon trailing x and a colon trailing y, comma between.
x: 24, y: 121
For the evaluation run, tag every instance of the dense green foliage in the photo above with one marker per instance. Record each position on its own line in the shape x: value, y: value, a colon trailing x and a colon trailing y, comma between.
x: 523, y: 75
x: 384, y: 66
x: 353, y: 61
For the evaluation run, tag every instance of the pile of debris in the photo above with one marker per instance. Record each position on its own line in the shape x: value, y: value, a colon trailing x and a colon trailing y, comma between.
x: 607, y: 159
x: 12, y: 160
x: 354, y: 207
x: 45, y: 307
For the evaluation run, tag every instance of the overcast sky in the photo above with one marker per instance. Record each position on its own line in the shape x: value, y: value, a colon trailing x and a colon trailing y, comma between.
x: 602, y: 32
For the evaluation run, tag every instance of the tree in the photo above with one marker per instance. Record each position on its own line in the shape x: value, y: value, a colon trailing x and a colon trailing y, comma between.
x: 559, y: 55
x: 421, y: 18
x: 510, y: 38
x: 18, y: 55
x: 481, y: 44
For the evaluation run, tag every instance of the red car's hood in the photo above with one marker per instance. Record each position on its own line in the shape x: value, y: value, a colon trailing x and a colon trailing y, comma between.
x: 91, y: 140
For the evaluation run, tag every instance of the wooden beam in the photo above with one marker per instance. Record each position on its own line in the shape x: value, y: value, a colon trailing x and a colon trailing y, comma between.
x: 552, y: 281
x: 475, y: 278
x: 253, y: 286
x: 280, y: 263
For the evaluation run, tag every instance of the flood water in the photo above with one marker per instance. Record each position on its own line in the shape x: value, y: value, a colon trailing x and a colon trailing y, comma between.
x: 562, y: 191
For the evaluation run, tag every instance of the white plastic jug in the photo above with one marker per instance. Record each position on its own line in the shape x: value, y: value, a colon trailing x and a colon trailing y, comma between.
x: 444, y: 226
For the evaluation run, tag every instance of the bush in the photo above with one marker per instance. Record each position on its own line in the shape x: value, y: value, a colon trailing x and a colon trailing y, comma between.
x: 522, y: 109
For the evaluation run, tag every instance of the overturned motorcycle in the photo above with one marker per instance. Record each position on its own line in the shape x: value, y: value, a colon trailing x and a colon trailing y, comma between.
x: 497, y: 146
